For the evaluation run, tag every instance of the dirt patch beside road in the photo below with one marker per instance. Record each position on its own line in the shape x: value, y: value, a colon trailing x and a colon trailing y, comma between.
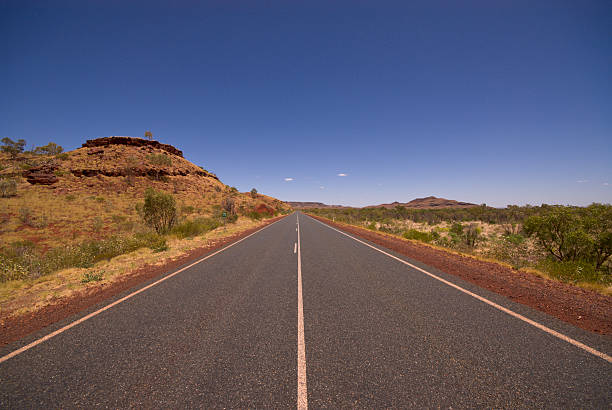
x: 583, y: 308
x: 15, y: 327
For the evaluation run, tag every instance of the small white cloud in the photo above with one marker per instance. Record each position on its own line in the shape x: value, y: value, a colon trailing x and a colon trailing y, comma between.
x: 322, y: 187
x: 582, y: 181
x: 605, y: 184
x: 342, y: 175
x: 288, y: 179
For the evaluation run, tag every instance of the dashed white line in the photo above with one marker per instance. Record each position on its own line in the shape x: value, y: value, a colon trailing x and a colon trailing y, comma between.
x: 295, y: 247
x: 487, y: 301
x: 302, y: 391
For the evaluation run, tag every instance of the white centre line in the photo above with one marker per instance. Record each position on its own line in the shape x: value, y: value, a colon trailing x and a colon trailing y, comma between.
x: 302, y: 391
x: 123, y: 299
x: 487, y: 301
x: 295, y: 247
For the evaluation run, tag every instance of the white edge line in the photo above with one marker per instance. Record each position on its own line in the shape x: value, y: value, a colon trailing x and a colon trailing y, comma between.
x: 123, y: 299
x: 487, y: 301
x: 302, y: 390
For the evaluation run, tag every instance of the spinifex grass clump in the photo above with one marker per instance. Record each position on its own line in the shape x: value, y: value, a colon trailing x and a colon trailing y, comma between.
x: 195, y: 227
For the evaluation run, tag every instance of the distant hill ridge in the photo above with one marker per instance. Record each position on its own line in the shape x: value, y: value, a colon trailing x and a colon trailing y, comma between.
x: 304, y: 205
x: 429, y: 202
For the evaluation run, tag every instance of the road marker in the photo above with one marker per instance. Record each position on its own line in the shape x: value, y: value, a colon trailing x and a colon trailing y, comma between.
x: 123, y: 299
x: 294, y: 247
x: 487, y: 301
x: 302, y: 391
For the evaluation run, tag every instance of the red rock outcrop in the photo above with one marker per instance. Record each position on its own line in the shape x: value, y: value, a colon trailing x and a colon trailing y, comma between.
x: 41, y: 175
x: 131, y: 141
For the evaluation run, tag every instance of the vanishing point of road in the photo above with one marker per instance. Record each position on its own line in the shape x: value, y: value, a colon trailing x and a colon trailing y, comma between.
x: 299, y: 314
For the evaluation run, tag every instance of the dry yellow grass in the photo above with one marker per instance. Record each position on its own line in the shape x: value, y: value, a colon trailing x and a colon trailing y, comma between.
x: 18, y: 297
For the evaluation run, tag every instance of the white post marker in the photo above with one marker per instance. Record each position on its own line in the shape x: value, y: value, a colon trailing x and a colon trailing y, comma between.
x: 302, y: 391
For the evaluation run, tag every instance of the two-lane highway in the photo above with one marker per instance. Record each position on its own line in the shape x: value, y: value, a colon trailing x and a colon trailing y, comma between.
x: 304, y: 315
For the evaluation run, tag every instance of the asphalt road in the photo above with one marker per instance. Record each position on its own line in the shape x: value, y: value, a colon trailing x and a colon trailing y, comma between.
x: 377, y: 333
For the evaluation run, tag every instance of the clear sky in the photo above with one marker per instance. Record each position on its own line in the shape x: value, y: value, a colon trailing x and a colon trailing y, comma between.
x: 497, y: 102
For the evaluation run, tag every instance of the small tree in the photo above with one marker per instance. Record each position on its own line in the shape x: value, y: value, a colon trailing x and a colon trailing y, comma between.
x: 50, y: 149
x: 560, y: 232
x: 229, y: 205
x: 253, y: 193
x: 11, y: 147
x: 148, y: 135
x: 159, y: 210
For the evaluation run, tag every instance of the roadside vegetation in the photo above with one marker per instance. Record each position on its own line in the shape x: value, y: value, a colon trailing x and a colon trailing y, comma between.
x: 81, y: 222
x: 566, y: 243
x: 160, y: 219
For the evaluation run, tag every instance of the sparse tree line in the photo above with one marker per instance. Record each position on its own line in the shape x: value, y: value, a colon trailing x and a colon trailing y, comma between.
x: 568, y: 242
x: 14, y: 148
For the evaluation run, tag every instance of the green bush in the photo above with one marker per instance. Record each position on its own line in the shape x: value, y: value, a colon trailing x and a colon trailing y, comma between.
x: 63, y: 156
x: 160, y: 159
x: 8, y: 188
x: 195, y: 227
x: 573, y: 234
x: 420, y: 236
x: 573, y: 271
x: 159, y: 210
x: 92, y: 277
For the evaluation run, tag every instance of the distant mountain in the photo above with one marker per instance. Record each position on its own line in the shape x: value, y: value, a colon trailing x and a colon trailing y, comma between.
x: 427, y: 202
x: 305, y: 205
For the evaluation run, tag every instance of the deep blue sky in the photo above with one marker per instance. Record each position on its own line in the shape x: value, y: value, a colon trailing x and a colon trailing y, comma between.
x: 494, y: 102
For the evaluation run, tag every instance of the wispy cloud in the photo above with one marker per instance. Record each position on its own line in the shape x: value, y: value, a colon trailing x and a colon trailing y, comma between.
x: 582, y: 181
x: 605, y: 184
x: 342, y: 175
x: 288, y: 179
x: 321, y: 187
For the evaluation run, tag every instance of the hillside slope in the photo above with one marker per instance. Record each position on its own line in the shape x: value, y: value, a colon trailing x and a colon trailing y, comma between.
x: 92, y: 192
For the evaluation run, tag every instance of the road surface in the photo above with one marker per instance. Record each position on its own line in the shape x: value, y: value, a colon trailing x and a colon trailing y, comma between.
x: 303, y: 315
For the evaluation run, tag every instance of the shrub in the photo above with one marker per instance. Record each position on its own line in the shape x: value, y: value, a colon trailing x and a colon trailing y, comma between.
x: 70, y: 197
x: 472, y: 235
x: 63, y: 156
x: 8, y: 188
x: 13, y: 148
x: 97, y: 224
x: 25, y: 216
x: 92, y: 277
x: 418, y: 235
x: 253, y: 193
x: 229, y: 205
x: 573, y: 271
x: 195, y: 227
x: 159, y: 210
x: 187, y: 209
x: 160, y: 159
